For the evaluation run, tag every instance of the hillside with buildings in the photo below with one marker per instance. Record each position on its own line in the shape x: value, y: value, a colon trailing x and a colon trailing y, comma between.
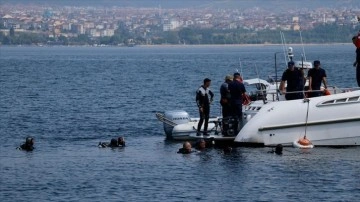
x: 24, y: 23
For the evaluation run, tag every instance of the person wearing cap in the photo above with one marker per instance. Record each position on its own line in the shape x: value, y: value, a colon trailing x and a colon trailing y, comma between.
x: 295, y: 82
x: 225, y: 101
x: 204, y: 97
x: 316, y: 75
x: 237, y: 89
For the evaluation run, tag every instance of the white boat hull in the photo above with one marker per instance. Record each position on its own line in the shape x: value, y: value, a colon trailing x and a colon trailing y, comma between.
x: 187, y: 131
x: 332, y: 121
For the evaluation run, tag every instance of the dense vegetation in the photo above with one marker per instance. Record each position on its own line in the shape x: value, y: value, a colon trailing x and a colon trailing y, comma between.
x: 329, y: 33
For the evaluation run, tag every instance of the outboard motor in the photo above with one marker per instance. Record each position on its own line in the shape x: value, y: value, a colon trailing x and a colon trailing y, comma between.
x: 176, y: 117
x: 232, y: 126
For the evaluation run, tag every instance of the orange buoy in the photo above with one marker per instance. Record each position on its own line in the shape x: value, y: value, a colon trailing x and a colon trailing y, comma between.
x: 303, y: 143
x: 246, y: 99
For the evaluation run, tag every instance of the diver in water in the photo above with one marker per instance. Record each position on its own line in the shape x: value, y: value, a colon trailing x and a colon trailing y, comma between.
x: 28, y: 145
x: 227, y: 149
x: 200, y: 145
x: 278, y: 150
x: 186, y: 149
x: 120, y: 142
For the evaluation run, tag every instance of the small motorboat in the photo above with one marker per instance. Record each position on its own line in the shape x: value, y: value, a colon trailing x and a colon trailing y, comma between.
x: 179, y: 126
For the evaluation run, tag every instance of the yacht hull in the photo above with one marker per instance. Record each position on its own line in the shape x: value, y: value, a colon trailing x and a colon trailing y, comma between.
x: 331, y: 121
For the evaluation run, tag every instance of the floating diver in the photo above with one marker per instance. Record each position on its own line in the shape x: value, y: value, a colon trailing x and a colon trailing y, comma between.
x: 186, y: 149
x: 120, y: 142
x: 201, y: 144
x: 28, y: 145
x: 227, y: 149
x: 278, y: 150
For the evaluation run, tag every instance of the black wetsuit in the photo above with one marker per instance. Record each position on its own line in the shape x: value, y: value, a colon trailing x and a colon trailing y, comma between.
x: 203, y: 100
x: 113, y: 143
x: 184, y: 151
x: 27, y: 147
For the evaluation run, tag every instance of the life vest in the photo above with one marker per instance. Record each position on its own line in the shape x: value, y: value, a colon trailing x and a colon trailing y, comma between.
x: 327, y: 92
x: 245, y: 99
x: 356, y: 41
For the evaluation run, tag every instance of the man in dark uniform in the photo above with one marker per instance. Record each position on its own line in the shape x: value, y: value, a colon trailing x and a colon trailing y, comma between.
x: 225, y: 103
x: 237, y: 89
x: 316, y: 76
x: 295, y: 82
x: 204, y: 97
x: 225, y: 97
x: 356, y: 41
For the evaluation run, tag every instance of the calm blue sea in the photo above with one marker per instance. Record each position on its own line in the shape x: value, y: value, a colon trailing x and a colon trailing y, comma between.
x: 71, y: 98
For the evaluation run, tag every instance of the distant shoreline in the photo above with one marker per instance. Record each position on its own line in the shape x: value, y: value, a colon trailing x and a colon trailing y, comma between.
x: 181, y: 45
x: 265, y: 44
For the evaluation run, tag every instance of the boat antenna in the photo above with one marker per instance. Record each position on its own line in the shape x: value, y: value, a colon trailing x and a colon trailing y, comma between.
x: 303, y: 79
x: 307, y: 115
x: 261, y: 87
x: 283, y: 45
x: 302, y: 45
x: 241, y: 72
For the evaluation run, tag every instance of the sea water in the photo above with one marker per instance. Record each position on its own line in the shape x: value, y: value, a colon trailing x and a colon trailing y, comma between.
x: 71, y: 98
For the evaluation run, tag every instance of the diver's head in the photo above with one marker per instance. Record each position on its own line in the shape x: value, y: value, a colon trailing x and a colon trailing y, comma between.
x: 121, y: 141
x: 291, y: 65
x: 201, y: 144
x: 29, y: 141
x: 187, y: 146
x: 227, y: 149
x: 278, y: 149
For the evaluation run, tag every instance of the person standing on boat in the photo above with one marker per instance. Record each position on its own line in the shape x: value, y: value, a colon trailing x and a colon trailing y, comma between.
x: 295, y: 82
x: 356, y: 41
x: 225, y: 102
x: 316, y: 76
x: 204, y: 97
x: 237, y: 89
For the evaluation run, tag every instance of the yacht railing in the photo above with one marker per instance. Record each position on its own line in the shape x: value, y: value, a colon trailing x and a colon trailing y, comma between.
x: 332, y: 89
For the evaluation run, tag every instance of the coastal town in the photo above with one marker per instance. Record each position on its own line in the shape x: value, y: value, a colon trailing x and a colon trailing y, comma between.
x: 147, y: 25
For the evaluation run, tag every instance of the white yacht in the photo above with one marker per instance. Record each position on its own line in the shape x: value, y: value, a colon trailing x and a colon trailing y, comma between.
x: 332, y: 120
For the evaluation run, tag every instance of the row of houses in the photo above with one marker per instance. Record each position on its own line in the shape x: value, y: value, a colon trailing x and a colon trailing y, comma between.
x: 100, y: 22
